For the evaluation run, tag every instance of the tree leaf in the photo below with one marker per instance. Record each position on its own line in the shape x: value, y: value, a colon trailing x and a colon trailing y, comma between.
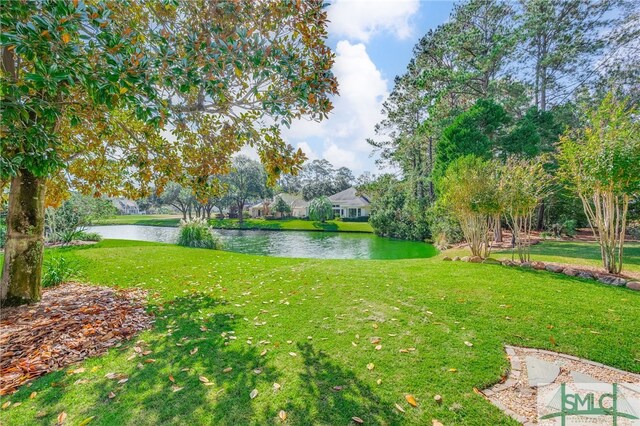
x: 86, y: 421
x: 283, y: 415
x: 411, y: 400
x: 399, y: 408
x: 62, y: 417
x: 66, y: 38
x: 253, y: 393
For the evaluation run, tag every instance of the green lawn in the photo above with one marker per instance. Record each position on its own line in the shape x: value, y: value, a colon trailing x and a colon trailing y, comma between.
x: 293, y: 225
x: 284, y: 224
x: 142, y: 219
x: 325, y: 312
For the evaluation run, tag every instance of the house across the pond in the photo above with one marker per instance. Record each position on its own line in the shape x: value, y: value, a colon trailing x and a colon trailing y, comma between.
x: 125, y: 206
x: 349, y: 204
x: 299, y: 207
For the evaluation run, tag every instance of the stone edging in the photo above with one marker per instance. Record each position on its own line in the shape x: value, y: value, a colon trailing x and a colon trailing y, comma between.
x: 608, y: 279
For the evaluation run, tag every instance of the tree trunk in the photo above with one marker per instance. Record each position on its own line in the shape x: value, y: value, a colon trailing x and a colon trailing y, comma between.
x: 540, y: 219
x: 240, y: 213
x: 24, y: 247
x: 497, y: 230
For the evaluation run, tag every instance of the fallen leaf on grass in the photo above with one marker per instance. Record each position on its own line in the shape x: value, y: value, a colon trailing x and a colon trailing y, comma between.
x: 453, y: 370
x: 263, y: 353
x: 111, y: 395
x: 336, y: 388
x: 176, y: 388
x: 276, y: 387
x: 33, y: 395
x: 171, y: 379
x: 227, y: 370
x: 62, y: 417
x: 86, y: 421
x: 468, y: 344
x: 283, y: 415
x: 411, y: 400
x: 370, y: 366
x: 6, y: 405
x: 553, y: 341
x: 435, y: 422
x: 203, y: 379
x: 293, y: 354
x: 193, y: 351
x: 399, y: 408
x: 378, y: 347
x: 357, y: 420
x: 253, y: 393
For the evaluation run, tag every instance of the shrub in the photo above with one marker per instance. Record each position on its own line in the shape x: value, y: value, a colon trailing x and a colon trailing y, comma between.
x: 444, y: 227
x: 321, y: 209
x: 196, y: 233
x: 89, y: 236
x: 58, y: 270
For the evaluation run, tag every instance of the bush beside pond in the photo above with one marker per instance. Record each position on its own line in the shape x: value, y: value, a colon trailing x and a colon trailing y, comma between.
x: 197, y: 233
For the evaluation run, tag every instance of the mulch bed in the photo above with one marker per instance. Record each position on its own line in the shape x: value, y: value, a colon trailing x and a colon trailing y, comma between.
x: 71, y: 322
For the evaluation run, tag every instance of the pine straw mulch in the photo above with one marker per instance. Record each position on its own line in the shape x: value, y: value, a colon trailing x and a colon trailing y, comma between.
x: 71, y: 322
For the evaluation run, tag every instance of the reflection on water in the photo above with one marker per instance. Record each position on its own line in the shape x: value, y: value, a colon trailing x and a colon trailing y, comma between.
x: 320, y: 245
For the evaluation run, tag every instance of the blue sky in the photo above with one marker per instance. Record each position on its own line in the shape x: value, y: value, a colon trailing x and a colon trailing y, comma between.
x: 373, y: 42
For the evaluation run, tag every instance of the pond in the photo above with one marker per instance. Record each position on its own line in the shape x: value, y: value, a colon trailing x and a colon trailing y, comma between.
x: 320, y: 245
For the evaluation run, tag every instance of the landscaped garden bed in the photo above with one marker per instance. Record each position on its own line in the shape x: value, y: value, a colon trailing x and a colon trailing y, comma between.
x: 71, y: 323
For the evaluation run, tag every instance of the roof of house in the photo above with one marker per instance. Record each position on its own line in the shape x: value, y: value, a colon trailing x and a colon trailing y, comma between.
x: 124, y: 202
x: 349, y: 198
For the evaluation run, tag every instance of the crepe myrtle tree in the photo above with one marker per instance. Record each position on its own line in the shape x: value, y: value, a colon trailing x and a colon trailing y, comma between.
x: 89, y: 92
x: 321, y: 209
x: 601, y: 163
x: 470, y: 190
x: 523, y: 183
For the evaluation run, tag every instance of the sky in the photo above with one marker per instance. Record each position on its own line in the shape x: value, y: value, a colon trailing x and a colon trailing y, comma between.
x: 373, y: 42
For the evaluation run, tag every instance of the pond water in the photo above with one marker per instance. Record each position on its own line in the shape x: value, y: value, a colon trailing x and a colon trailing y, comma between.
x: 321, y: 245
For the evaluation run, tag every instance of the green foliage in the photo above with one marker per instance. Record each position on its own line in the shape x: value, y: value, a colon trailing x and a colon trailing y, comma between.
x: 601, y: 162
x: 280, y: 206
x: 393, y: 212
x: 444, y: 227
x: 89, y: 236
x: 58, y: 270
x: 65, y: 223
x: 474, y: 132
x: 604, y: 155
x: 470, y: 188
x: 196, y: 233
x: 535, y: 133
x: 320, y: 209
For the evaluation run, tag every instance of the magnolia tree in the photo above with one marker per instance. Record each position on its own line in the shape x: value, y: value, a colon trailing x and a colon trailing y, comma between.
x: 90, y: 92
x: 523, y: 184
x: 601, y: 162
x: 470, y: 190
x: 321, y: 209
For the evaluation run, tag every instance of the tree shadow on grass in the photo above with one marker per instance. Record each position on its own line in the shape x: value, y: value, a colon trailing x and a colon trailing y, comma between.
x: 322, y: 403
x: 166, y: 385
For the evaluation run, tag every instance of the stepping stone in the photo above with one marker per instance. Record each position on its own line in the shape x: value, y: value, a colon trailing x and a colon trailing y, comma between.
x: 583, y: 378
x: 541, y: 372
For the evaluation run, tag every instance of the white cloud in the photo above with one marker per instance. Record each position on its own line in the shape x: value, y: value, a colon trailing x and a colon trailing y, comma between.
x: 356, y: 111
x: 341, y: 157
x: 361, y: 19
